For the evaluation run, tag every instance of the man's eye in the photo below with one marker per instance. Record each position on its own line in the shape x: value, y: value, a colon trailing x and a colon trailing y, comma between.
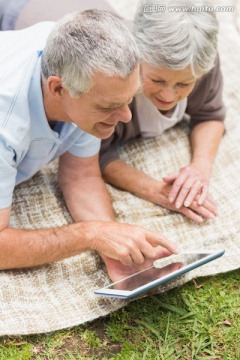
x: 106, y: 109
x: 158, y: 81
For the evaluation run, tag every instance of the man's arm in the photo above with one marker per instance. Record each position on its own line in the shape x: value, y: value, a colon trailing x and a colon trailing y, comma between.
x: 129, y: 244
x: 83, y: 188
x: 25, y: 248
x: 125, y: 177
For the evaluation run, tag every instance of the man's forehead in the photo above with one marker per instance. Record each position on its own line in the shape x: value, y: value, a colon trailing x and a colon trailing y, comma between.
x: 118, y: 97
x: 115, y: 90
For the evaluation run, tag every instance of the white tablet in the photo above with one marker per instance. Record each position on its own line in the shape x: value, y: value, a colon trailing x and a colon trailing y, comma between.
x: 161, y: 271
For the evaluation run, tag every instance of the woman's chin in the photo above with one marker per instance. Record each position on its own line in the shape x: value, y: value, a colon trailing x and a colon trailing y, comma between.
x: 164, y: 106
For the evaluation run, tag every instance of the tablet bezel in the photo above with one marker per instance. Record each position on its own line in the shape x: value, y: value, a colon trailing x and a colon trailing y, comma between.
x: 127, y: 294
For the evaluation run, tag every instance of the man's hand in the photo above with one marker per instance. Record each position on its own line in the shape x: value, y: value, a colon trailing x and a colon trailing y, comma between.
x: 187, y: 185
x: 126, y: 243
x: 117, y: 271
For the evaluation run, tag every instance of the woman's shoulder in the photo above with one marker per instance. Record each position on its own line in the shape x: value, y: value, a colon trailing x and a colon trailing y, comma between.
x: 205, y: 101
x: 207, y: 82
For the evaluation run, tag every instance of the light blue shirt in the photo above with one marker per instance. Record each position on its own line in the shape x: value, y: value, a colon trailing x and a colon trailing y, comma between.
x: 27, y: 142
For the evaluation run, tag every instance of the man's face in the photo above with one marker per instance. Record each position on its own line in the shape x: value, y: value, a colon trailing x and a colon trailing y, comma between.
x: 98, y: 111
x: 166, y: 87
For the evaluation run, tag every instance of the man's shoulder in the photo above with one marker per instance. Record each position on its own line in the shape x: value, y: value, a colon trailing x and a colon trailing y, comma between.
x: 17, y: 64
x: 26, y: 39
x: 18, y: 48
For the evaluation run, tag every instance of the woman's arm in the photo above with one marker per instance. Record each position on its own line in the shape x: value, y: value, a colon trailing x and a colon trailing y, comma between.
x: 194, y: 178
x: 207, y: 112
x: 205, y: 139
x: 125, y: 177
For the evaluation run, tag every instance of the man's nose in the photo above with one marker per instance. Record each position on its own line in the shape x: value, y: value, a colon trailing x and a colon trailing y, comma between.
x: 123, y: 114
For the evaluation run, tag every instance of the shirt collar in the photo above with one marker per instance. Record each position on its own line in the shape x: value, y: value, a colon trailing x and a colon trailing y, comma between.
x: 39, y: 123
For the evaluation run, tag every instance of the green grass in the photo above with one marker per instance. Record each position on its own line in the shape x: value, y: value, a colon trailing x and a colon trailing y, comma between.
x: 200, y: 320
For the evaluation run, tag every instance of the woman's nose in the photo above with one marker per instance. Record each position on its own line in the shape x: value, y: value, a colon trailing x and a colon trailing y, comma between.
x: 168, y: 94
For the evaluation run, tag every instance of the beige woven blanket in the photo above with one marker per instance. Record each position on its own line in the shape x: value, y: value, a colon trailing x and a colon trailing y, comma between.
x: 61, y: 294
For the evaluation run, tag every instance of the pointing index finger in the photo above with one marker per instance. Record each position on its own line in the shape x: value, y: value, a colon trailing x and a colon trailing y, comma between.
x: 155, y: 238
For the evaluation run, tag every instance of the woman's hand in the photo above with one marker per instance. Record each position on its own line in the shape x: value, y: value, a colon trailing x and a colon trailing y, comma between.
x: 160, y: 194
x: 188, y: 184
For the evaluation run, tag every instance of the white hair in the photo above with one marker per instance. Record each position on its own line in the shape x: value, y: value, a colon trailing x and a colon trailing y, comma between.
x: 86, y: 42
x: 177, y: 39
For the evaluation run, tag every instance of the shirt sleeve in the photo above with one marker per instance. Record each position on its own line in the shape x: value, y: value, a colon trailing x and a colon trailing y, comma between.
x: 205, y: 103
x: 108, y: 152
x: 86, y: 145
x: 8, y: 174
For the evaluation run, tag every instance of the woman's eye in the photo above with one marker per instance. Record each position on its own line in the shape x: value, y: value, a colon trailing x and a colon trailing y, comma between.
x: 182, y: 85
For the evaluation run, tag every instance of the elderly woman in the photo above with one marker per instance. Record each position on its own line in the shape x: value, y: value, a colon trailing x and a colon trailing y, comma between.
x: 181, y: 74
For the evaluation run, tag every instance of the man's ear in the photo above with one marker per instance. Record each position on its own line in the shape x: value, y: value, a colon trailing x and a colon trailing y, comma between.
x: 54, y: 86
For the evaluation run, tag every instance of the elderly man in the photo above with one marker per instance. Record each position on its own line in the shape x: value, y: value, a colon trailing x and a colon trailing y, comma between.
x: 63, y: 88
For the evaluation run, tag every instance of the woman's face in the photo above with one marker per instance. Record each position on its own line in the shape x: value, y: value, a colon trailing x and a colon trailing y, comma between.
x: 165, y: 87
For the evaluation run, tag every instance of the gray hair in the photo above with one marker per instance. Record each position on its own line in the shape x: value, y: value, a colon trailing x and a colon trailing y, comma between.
x: 177, y: 39
x: 86, y: 42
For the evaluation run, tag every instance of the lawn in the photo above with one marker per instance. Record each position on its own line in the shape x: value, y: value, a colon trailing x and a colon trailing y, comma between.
x: 199, y: 320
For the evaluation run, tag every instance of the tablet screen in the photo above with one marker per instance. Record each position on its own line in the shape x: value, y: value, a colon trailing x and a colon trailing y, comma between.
x: 159, y: 269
